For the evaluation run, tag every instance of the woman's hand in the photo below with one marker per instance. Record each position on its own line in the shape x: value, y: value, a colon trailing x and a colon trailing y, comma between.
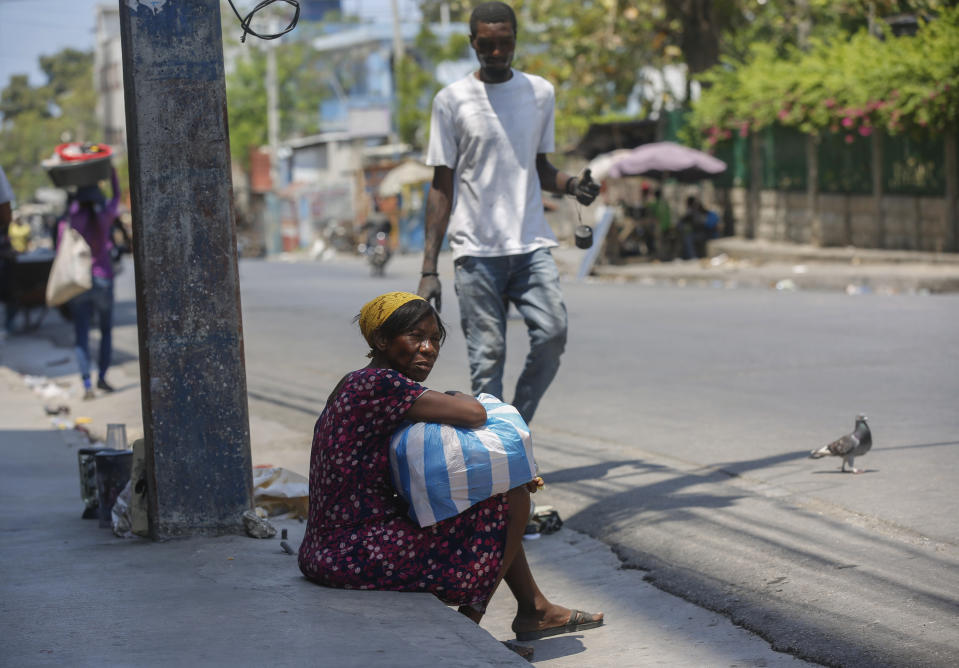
x: 535, y: 485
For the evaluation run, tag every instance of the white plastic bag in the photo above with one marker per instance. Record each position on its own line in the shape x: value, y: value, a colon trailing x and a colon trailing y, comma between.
x: 72, y: 270
x: 120, y: 514
x: 281, y: 491
x: 443, y: 470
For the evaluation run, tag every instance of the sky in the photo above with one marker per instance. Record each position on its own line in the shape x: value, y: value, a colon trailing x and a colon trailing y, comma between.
x: 31, y: 28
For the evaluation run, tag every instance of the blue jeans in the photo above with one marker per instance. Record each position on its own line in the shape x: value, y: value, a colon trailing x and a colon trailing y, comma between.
x: 82, y: 307
x: 485, y: 287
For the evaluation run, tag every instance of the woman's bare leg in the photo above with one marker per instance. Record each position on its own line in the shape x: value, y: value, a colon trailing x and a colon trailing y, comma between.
x: 518, y: 499
x: 533, y: 610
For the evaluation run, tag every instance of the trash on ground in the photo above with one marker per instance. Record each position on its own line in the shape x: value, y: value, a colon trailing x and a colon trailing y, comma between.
x: 88, y: 482
x: 543, y: 520
x: 113, y: 476
x: 139, y: 501
x: 786, y: 285
x: 62, y: 409
x: 853, y: 289
x: 548, y: 519
x: 120, y: 514
x: 718, y: 260
x: 62, y: 423
x: 45, y: 387
x: 257, y: 527
x: 800, y: 269
x: 281, y: 491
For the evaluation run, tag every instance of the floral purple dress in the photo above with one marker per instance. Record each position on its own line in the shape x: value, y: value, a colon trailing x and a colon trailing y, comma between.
x: 359, y: 535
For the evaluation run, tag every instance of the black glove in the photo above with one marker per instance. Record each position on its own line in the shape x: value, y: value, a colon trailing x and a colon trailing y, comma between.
x: 583, y: 188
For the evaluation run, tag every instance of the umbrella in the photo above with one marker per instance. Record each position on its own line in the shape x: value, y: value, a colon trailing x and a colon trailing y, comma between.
x: 660, y: 159
x: 405, y: 174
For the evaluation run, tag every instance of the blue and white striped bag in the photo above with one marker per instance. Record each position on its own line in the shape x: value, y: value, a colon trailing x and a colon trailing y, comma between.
x: 442, y: 470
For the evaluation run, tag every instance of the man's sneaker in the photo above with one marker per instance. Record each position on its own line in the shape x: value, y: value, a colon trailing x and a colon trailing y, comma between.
x: 88, y: 394
x: 104, y: 385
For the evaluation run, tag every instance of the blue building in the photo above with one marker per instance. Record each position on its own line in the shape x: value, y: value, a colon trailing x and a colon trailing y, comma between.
x: 316, y: 10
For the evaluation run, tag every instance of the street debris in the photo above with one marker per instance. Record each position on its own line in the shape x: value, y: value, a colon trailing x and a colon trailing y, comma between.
x: 543, y: 520
x: 256, y: 526
x: 46, y: 388
x: 279, y: 491
x: 120, y: 514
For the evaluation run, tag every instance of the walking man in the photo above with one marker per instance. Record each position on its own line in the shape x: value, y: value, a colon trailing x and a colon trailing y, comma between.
x: 490, y: 134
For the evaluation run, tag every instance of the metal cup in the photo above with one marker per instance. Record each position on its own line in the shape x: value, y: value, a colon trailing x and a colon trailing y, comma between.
x: 117, y: 436
x: 584, y: 236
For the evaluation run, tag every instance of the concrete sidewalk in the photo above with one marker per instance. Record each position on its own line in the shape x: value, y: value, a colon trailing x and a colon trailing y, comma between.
x: 733, y: 263
x: 74, y: 594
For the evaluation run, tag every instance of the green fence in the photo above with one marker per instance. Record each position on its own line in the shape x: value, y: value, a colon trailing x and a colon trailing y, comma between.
x: 911, y: 164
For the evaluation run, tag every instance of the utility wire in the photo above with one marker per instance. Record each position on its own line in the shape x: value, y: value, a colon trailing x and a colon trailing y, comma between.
x: 245, y: 22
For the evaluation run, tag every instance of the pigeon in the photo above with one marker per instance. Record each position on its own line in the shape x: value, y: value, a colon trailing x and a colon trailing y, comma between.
x: 849, y: 446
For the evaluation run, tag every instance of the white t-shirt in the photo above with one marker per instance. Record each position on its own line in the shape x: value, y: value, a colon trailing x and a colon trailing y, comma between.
x: 489, y: 135
x: 6, y: 192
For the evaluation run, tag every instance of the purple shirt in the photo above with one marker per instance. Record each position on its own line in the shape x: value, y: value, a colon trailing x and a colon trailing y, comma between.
x: 95, y: 229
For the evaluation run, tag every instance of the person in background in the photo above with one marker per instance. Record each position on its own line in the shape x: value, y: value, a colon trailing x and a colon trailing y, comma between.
x: 659, y: 210
x: 710, y: 227
x: 19, y: 233
x: 690, y: 227
x: 92, y: 215
x: 490, y: 133
x: 7, y: 252
x: 648, y: 221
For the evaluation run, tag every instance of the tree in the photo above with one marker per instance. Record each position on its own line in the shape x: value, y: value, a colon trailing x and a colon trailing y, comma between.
x: 36, y: 119
x: 416, y: 85
x: 302, y: 76
x: 849, y: 83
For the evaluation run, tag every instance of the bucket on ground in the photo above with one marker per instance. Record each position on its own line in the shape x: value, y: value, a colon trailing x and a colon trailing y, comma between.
x: 113, y: 473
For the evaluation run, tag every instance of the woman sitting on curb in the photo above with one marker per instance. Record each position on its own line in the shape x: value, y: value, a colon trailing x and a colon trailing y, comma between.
x: 359, y: 535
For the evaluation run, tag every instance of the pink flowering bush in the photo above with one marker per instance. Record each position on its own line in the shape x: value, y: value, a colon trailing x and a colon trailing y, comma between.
x: 857, y: 83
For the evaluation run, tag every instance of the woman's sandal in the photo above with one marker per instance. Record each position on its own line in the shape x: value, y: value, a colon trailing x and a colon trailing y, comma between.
x: 578, y: 621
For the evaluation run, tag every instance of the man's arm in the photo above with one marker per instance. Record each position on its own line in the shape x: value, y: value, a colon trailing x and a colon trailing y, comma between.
x: 114, y: 201
x: 553, y: 180
x: 439, y: 204
x: 550, y: 179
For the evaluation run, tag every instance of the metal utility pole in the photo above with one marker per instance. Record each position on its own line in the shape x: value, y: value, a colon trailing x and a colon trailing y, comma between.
x: 192, y: 375
x: 398, y: 46
x: 272, y: 110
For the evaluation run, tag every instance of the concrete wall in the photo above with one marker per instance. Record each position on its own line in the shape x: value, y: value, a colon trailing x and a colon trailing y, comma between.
x: 908, y: 222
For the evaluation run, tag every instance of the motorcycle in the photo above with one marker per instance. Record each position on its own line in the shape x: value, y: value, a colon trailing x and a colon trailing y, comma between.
x: 378, y: 253
x: 377, y: 247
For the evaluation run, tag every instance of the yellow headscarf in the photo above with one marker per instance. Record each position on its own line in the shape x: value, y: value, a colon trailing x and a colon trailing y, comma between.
x: 375, y: 312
